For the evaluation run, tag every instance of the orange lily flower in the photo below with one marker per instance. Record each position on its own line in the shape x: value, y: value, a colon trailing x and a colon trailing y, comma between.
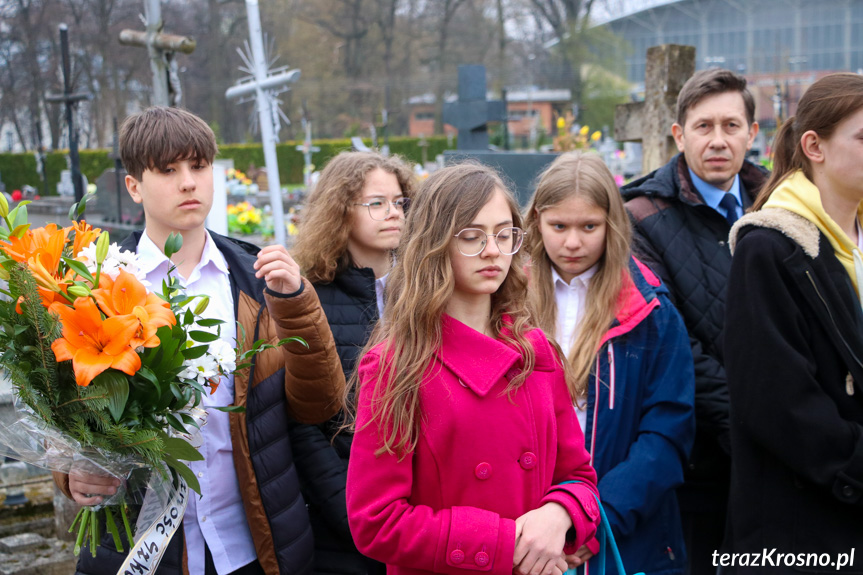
x: 40, y: 269
x: 85, y: 234
x: 48, y: 284
x: 41, y: 250
x: 49, y: 239
x: 127, y: 296
x: 94, y: 344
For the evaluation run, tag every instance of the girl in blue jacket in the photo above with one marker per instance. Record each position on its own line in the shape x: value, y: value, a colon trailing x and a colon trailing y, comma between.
x: 630, y: 365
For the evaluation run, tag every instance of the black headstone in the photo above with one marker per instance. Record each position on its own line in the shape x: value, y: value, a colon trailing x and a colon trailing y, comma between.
x: 472, y: 112
x: 103, y: 211
x: 470, y: 115
x: 520, y: 171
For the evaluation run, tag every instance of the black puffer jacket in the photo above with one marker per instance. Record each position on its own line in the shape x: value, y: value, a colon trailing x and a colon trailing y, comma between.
x: 321, y: 454
x: 685, y: 242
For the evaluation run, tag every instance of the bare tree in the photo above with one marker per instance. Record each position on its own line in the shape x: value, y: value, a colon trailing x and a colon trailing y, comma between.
x: 447, y: 11
x: 569, y: 20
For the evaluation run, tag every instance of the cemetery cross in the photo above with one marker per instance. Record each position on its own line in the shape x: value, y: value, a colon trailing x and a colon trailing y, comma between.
x: 668, y: 67
x: 161, y: 48
x: 307, y: 149
x: 472, y: 112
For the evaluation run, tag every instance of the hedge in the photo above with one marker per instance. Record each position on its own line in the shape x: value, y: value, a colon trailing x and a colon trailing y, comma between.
x: 18, y: 170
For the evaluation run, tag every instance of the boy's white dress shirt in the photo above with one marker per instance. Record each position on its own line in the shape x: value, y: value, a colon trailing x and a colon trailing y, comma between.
x: 217, y: 517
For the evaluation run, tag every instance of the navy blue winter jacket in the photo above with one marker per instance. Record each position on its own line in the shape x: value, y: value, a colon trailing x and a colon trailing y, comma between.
x: 641, y: 425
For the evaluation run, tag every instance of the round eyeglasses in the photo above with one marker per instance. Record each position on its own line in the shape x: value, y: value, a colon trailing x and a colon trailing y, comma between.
x: 379, y: 208
x: 471, y: 241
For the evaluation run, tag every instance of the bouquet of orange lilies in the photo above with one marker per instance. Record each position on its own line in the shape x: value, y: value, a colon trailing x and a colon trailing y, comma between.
x: 108, y: 377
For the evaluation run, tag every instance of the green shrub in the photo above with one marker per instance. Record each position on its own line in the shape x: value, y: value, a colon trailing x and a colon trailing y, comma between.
x: 17, y: 170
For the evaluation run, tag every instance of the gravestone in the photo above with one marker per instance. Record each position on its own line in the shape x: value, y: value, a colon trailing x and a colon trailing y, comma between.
x: 217, y: 219
x: 112, y: 209
x: 66, y: 187
x: 31, y: 554
x: 471, y: 116
x: 472, y: 112
x: 668, y: 67
x: 115, y: 206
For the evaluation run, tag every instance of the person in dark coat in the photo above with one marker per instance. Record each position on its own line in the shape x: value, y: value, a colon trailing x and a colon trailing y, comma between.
x: 794, y: 348
x: 682, y: 214
x: 350, y: 227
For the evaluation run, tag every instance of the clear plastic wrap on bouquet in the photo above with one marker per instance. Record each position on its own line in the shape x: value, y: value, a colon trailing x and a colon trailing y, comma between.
x: 153, y: 492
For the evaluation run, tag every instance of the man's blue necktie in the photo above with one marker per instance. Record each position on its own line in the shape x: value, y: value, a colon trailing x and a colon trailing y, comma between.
x: 729, y: 203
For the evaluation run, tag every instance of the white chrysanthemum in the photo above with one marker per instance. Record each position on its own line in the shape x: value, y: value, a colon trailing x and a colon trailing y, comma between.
x: 117, y: 259
x: 224, y: 354
x: 202, y: 369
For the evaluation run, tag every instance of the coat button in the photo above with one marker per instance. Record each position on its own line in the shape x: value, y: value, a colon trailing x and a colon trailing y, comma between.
x: 481, y: 559
x: 457, y: 557
x: 528, y: 460
x: 483, y: 471
x: 589, y: 505
x: 847, y: 491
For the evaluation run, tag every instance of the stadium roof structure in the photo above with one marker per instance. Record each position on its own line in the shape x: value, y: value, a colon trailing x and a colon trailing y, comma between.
x: 774, y: 37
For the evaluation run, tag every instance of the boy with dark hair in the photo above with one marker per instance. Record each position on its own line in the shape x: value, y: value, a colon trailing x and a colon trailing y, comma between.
x: 682, y: 214
x: 250, y: 518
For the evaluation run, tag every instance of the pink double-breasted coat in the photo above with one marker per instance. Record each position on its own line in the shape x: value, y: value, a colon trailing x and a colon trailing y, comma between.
x: 483, y: 459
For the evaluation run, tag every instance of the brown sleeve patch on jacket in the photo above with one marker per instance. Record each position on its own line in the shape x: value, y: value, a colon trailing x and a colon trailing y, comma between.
x: 62, y: 482
x: 314, y: 380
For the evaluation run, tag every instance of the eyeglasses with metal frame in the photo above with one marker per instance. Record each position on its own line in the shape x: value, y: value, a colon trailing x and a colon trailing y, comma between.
x: 379, y: 208
x: 472, y: 241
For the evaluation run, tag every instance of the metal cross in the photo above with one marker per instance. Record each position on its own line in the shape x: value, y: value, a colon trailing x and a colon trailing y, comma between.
x: 307, y: 149
x: 264, y: 85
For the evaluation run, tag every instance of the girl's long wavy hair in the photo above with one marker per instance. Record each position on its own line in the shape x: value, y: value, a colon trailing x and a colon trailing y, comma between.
x: 321, y: 249
x: 822, y: 108
x: 585, y: 176
x: 418, y: 289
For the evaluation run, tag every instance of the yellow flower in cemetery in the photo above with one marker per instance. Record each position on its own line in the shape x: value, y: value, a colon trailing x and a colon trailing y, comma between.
x: 585, y: 130
x: 596, y: 136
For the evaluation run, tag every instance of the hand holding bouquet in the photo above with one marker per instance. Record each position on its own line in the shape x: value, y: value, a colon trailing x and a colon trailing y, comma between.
x: 108, y: 377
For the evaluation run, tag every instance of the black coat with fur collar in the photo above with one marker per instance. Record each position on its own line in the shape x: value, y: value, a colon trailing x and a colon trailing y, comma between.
x: 794, y: 361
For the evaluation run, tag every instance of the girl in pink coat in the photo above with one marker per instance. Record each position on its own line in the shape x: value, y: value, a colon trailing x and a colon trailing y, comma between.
x: 467, y: 454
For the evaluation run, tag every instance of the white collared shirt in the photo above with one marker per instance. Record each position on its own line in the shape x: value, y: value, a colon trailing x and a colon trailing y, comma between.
x: 217, y: 517
x: 380, y: 288
x: 571, y: 299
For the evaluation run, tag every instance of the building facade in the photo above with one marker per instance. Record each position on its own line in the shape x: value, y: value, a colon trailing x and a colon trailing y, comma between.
x: 752, y: 37
x: 528, y: 110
